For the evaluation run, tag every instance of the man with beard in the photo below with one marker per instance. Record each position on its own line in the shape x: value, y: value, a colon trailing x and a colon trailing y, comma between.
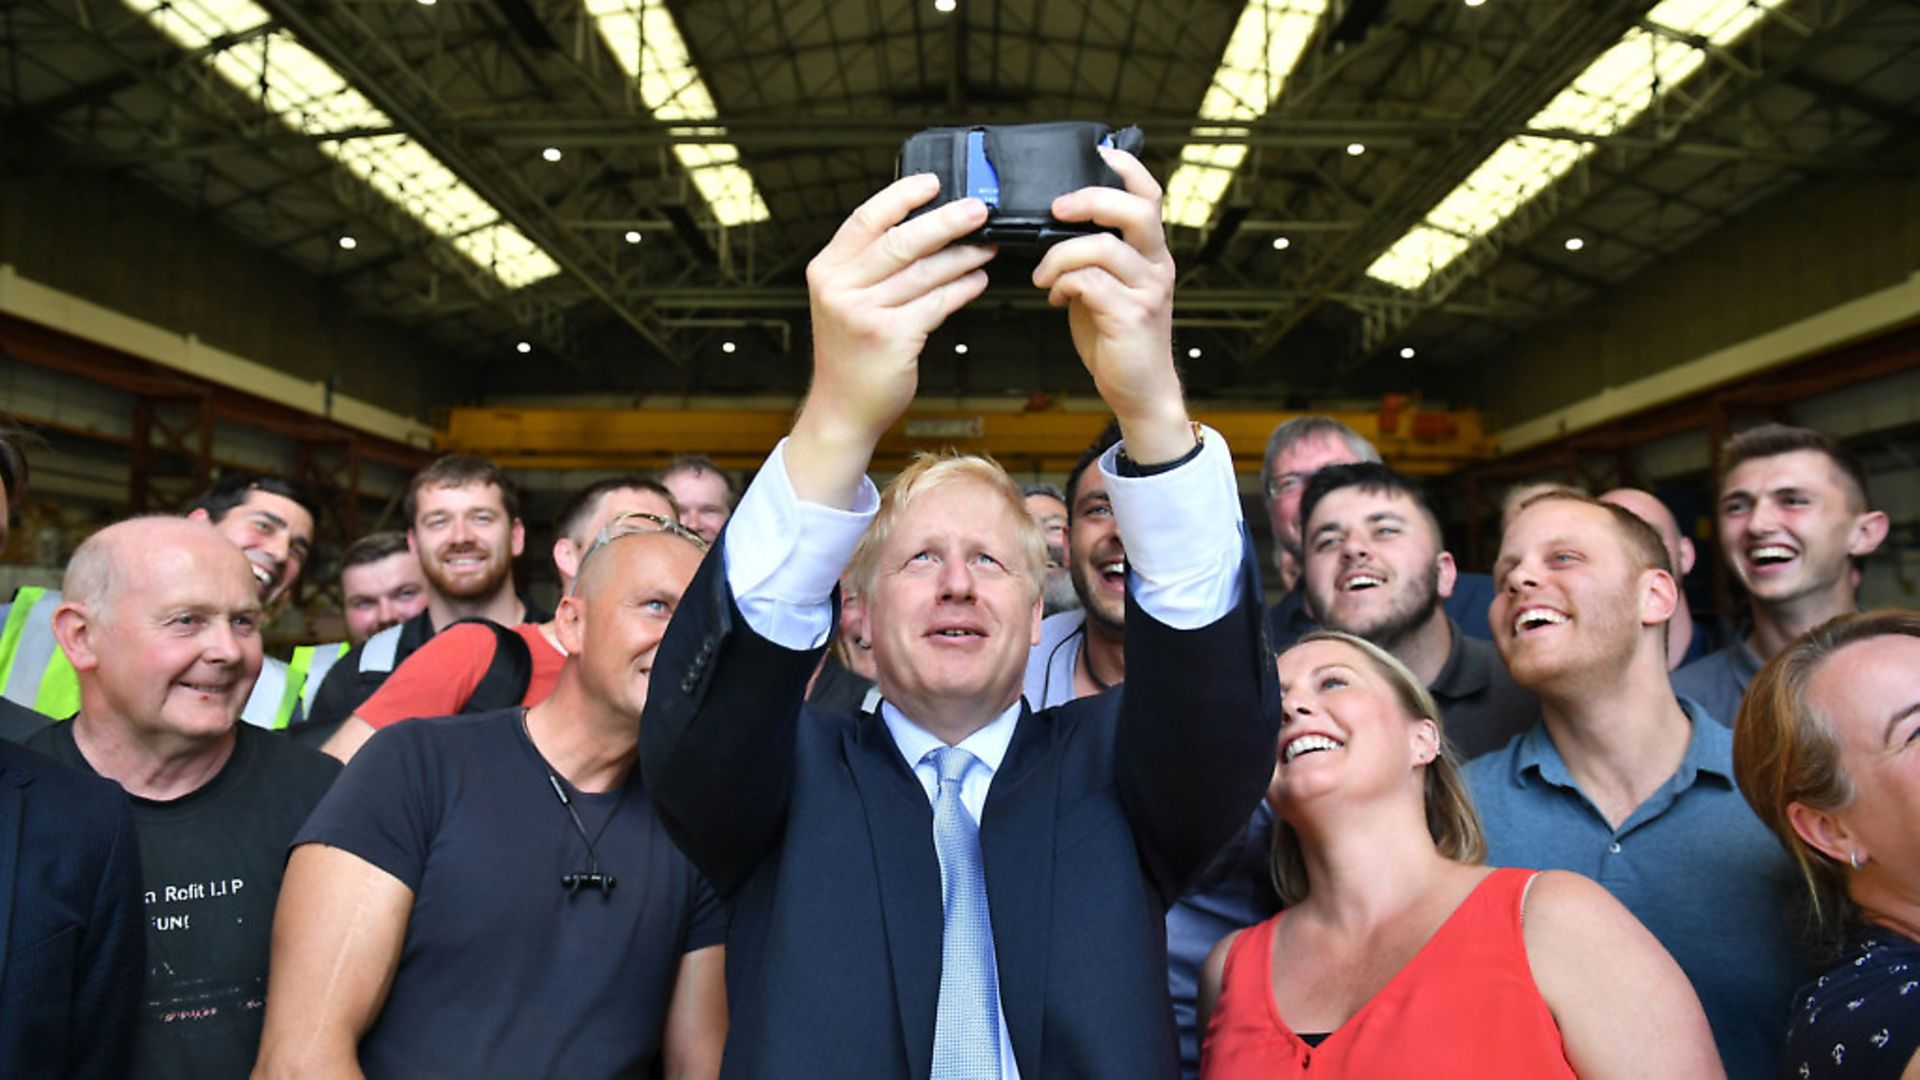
x: 475, y: 667
x: 463, y: 521
x: 1793, y: 520
x: 1375, y: 569
x: 1082, y: 652
x: 1297, y: 449
x: 267, y: 518
x: 1625, y: 784
x: 1049, y: 507
x: 162, y: 622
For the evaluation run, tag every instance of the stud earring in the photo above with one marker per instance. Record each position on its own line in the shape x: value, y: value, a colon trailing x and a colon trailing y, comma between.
x: 1853, y: 858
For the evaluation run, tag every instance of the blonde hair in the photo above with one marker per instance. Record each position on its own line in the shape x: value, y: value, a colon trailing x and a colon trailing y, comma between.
x: 1785, y: 751
x: 1451, y: 819
x: 928, y: 472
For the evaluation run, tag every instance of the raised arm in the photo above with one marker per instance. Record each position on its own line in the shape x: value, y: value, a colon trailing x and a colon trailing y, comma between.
x: 1194, y: 746
x: 717, y: 736
x: 877, y: 290
x: 1624, y: 1007
x: 336, y: 945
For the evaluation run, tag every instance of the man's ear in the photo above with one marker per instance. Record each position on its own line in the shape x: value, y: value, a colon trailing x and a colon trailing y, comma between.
x: 1446, y: 574
x: 413, y: 545
x: 1687, y: 557
x: 199, y: 514
x: 1659, y: 597
x: 1039, y: 613
x: 73, y: 628
x: 570, y: 624
x: 519, y: 537
x: 566, y: 559
x: 1869, y: 531
x: 1822, y: 831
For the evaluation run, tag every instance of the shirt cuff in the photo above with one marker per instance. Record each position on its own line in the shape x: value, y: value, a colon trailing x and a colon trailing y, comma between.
x: 784, y: 555
x: 1182, y: 531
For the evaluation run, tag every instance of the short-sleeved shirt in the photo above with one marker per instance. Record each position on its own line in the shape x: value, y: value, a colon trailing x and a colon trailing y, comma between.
x: 439, y: 678
x: 1691, y: 862
x: 212, y: 862
x: 1861, y: 1020
x: 1717, y: 681
x: 502, y: 971
x: 346, y: 687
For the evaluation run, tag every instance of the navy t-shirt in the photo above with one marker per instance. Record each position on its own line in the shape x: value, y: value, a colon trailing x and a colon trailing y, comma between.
x: 502, y: 972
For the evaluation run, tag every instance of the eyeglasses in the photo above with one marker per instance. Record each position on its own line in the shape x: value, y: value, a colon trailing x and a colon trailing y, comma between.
x: 1286, y: 483
x: 634, y: 523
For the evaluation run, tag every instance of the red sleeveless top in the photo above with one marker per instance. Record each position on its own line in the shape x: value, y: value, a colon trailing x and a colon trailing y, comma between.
x: 1465, y: 1006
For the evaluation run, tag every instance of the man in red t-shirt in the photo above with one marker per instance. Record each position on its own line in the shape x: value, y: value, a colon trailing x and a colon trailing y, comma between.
x: 440, y: 677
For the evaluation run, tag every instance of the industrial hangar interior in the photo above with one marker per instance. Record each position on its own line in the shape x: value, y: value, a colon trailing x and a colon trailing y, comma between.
x: 1571, y: 240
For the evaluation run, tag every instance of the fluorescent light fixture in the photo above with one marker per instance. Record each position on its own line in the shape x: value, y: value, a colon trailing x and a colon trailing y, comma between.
x: 307, y: 95
x: 1265, y: 45
x: 944, y: 6
x: 1610, y: 95
x: 645, y: 40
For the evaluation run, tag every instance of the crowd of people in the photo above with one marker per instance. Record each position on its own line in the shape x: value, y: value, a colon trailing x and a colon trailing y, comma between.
x: 964, y: 779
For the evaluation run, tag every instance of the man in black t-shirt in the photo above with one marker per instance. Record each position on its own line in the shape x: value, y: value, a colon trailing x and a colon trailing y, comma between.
x: 493, y: 895
x: 160, y: 619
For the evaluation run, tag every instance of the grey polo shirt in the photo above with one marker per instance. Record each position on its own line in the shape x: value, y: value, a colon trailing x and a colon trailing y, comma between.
x: 1718, y: 680
x: 1691, y: 862
x: 1479, y: 703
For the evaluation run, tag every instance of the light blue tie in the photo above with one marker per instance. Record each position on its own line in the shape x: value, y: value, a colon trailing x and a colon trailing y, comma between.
x: 966, y: 1032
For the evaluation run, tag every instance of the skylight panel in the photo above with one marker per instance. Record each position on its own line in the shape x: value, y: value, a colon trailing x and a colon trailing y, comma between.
x: 1614, y: 91
x: 1266, y: 44
x: 308, y: 95
x: 644, y: 39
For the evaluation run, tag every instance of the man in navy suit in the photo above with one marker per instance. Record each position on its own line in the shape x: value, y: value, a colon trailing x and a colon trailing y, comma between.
x: 72, y: 947
x: 954, y: 885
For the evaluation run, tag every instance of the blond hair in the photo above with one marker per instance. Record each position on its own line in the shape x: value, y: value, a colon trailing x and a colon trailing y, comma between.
x: 931, y: 471
x: 1451, y: 819
x: 1786, y: 751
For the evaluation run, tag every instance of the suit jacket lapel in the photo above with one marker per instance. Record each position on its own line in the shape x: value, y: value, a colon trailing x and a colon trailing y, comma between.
x: 900, y: 826
x: 12, y: 819
x: 1016, y: 839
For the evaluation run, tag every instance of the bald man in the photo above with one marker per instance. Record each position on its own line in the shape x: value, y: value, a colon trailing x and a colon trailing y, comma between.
x: 160, y: 618
x: 1686, y: 641
x: 493, y: 894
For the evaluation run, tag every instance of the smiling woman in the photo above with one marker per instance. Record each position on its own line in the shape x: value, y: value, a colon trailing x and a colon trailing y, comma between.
x: 1399, y: 954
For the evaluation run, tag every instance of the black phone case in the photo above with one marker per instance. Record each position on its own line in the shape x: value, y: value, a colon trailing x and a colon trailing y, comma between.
x: 1035, y: 164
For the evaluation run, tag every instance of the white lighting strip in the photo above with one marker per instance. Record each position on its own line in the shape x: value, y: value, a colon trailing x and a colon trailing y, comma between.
x: 645, y: 40
x: 308, y: 95
x: 1612, y: 93
x: 1265, y: 46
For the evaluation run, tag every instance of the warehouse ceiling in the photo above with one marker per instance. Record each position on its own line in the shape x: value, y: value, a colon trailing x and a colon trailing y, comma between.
x: 620, y: 196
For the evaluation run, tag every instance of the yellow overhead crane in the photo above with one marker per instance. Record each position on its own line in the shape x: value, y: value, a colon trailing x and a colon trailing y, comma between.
x: 1414, y: 440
